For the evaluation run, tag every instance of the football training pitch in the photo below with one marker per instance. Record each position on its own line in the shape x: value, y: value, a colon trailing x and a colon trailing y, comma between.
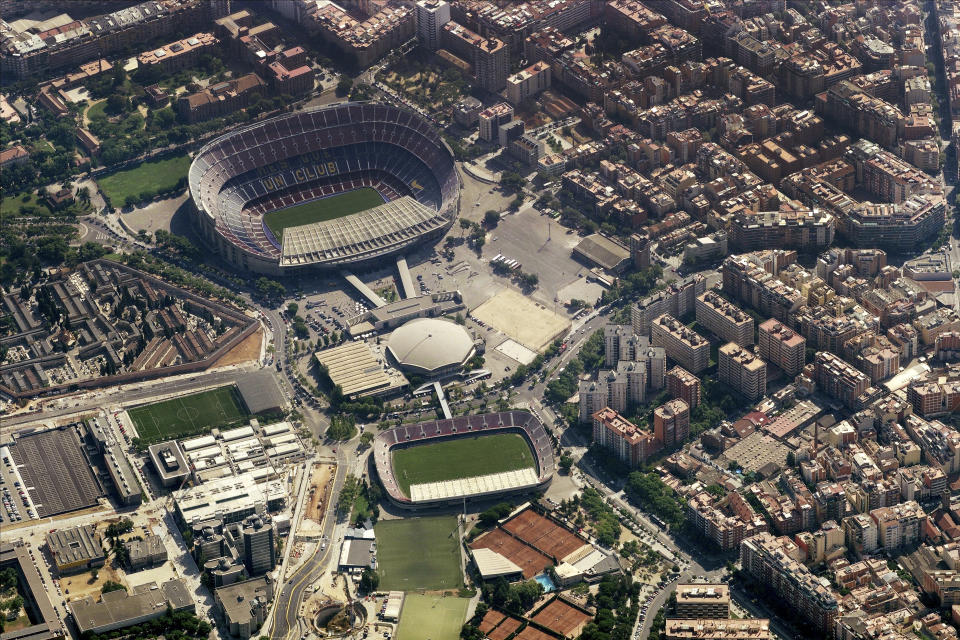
x: 419, y: 553
x: 461, y: 458
x: 189, y: 415
x: 335, y: 206
x: 433, y: 617
x: 154, y: 175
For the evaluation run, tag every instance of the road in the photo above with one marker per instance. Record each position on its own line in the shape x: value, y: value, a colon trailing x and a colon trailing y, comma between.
x: 287, y: 610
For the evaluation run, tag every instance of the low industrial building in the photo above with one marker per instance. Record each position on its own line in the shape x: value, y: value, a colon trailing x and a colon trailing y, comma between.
x: 601, y: 251
x: 359, y: 372
x: 146, y: 552
x: 119, y: 609
x: 261, y: 393
x: 491, y: 565
x: 76, y: 550
x: 229, y: 499
x: 245, y: 605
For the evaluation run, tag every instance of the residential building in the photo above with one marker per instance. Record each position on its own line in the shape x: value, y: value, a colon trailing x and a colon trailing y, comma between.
x: 718, y: 629
x: 492, y: 118
x: 684, y: 385
x: 671, y: 422
x: 725, y: 320
x: 16, y: 154
x: 782, y: 347
x: 742, y: 371
x: 220, y: 99
x: 677, y: 300
x: 617, y: 434
x: 180, y: 54
x: 751, y: 278
x: 364, y: 42
x: 839, y: 379
x: 431, y: 16
x: 703, y: 601
x: 898, y: 525
x: 764, y: 558
x: 685, y: 346
x: 529, y: 82
x: 489, y: 56
x: 860, y: 534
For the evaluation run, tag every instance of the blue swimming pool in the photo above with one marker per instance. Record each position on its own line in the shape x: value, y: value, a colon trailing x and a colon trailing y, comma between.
x: 546, y: 582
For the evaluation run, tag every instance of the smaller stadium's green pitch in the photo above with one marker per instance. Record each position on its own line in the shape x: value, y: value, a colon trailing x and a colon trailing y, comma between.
x: 432, y: 617
x: 417, y: 554
x: 187, y: 416
x: 461, y: 458
x: 329, y: 208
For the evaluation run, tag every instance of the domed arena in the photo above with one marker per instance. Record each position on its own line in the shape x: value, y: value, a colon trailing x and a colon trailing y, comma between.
x: 324, y: 188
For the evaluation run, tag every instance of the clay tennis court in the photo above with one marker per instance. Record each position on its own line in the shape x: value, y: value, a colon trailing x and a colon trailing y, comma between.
x: 524, y: 556
x: 530, y: 633
x: 543, y: 534
x: 560, y: 617
x: 504, y: 629
x: 490, y: 620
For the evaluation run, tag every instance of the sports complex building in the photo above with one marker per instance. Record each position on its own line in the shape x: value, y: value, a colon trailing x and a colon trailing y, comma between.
x: 454, y: 491
x: 387, y: 178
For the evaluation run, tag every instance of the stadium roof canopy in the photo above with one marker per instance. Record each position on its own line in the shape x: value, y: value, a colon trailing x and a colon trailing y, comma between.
x: 430, y: 345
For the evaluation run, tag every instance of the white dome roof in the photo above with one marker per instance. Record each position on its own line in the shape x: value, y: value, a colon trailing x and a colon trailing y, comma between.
x: 429, y: 344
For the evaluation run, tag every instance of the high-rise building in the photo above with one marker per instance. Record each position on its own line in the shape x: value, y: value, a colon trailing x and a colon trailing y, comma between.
x: 782, y: 347
x: 860, y: 534
x: 725, y: 320
x: 528, y: 82
x: 742, y: 371
x: 764, y: 558
x: 259, y: 550
x: 431, y: 16
x: 685, y: 346
x: 617, y: 434
x: 899, y: 525
x: 491, y: 118
x: 671, y: 422
x: 489, y: 56
x: 684, y: 385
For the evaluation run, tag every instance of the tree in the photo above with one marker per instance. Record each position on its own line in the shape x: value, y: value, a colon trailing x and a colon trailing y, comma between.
x: 566, y: 462
x: 491, y: 218
x: 292, y: 309
x: 342, y: 427
x: 369, y: 581
x: 464, y: 224
x: 344, y: 85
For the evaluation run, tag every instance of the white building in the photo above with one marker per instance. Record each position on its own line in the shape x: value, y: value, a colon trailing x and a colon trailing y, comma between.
x: 431, y: 16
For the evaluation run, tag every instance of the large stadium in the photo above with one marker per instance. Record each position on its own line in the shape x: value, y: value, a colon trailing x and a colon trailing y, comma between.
x: 447, y: 461
x: 324, y: 188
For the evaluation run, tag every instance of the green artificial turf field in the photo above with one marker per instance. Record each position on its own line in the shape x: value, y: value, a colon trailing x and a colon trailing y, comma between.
x: 156, y: 176
x: 189, y: 415
x: 419, y: 553
x: 432, y: 617
x: 337, y: 206
x: 460, y: 458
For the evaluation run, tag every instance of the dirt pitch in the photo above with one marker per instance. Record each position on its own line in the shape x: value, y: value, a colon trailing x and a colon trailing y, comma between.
x: 561, y: 617
x: 524, y: 556
x: 526, y: 321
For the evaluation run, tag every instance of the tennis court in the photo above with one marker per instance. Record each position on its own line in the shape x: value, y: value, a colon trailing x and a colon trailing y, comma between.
x: 426, y: 617
x: 189, y: 415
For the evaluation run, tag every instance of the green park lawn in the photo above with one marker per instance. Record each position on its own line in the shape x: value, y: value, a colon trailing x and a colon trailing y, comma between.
x: 155, y: 176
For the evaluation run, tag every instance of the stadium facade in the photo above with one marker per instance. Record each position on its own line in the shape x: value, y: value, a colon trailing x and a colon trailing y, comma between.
x: 239, y: 178
x: 454, y: 492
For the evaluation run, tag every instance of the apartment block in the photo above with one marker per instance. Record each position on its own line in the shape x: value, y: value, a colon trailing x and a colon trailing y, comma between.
x: 489, y: 56
x: 839, y: 379
x: 764, y: 558
x: 751, y: 278
x: 677, y: 300
x: 860, y: 534
x: 431, y: 16
x: 725, y: 531
x: 898, y: 525
x: 725, y: 320
x: 684, y: 385
x: 180, y: 54
x: 617, y: 434
x: 366, y: 41
x: 685, y: 346
x: 703, y: 601
x: 742, y: 371
x: 492, y: 118
x: 220, y: 99
x: 529, y: 82
x: 718, y: 629
x: 782, y: 347
x: 671, y: 422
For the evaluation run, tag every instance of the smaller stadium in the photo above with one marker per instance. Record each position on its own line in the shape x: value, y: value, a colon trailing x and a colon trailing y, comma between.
x: 446, y: 461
